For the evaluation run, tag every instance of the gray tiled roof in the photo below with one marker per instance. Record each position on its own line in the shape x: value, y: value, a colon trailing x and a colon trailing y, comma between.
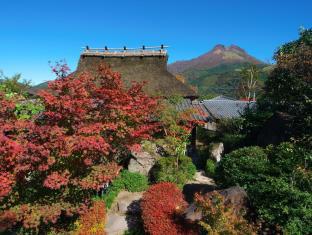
x: 200, y: 112
x: 226, y: 108
x: 209, y: 110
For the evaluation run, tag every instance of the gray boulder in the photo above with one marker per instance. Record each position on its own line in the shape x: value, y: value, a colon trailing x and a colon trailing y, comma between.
x: 216, y: 151
x: 237, y: 198
x: 143, y: 161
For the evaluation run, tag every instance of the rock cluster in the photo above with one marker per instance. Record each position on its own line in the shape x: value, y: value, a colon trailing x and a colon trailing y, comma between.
x: 235, y: 196
x: 143, y: 161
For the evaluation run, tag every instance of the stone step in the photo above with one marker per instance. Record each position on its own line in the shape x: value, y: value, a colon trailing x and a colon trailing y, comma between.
x: 199, y: 184
x: 124, y: 213
x: 127, y: 202
x: 116, y: 224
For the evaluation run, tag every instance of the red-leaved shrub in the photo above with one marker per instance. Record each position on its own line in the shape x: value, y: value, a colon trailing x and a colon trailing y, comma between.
x: 51, y: 165
x: 162, y: 206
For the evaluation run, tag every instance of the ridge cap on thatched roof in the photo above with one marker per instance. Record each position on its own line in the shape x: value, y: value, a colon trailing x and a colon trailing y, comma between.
x: 125, y: 52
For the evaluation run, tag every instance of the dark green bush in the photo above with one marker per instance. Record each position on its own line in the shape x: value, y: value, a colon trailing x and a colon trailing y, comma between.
x: 132, y: 182
x: 210, y: 168
x: 254, y: 120
x: 279, y: 202
x: 232, y: 141
x: 242, y: 167
x: 168, y: 169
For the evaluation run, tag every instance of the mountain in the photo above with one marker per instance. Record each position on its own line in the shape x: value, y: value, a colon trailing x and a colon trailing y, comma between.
x: 217, y: 71
x: 218, y: 55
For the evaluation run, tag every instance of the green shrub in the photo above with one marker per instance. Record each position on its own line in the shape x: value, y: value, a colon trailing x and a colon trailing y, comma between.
x: 168, y: 169
x: 279, y: 202
x: 27, y: 109
x: 293, y: 163
x: 302, y: 179
x: 130, y: 181
x: 210, y: 168
x: 285, y: 157
x: 294, y: 227
x: 134, y: 182
x: 242, y: 167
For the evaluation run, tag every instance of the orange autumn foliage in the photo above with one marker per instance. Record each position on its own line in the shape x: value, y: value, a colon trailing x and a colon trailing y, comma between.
x: 93, y: 221
x: 220, y: 219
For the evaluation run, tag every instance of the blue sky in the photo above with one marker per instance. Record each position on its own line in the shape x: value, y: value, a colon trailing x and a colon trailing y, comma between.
x: 35, y: 32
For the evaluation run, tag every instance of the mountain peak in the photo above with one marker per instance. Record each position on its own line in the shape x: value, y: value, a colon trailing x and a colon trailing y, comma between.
x: 219, y: 55
x: 219, y: 47
x: 236, y: 48
x: 233, y: 48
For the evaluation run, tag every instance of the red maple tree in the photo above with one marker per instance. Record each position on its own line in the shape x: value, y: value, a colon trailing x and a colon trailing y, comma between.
x: 62, y: 157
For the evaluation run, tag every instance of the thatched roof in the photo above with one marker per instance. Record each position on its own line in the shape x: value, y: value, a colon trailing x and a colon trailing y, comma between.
x: 139, y: 67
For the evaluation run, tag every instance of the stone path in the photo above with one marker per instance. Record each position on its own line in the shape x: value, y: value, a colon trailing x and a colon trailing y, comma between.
x: 124, y: 213
x: 200, y: 184
x: 116, y: 224
x: 201, y: 178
